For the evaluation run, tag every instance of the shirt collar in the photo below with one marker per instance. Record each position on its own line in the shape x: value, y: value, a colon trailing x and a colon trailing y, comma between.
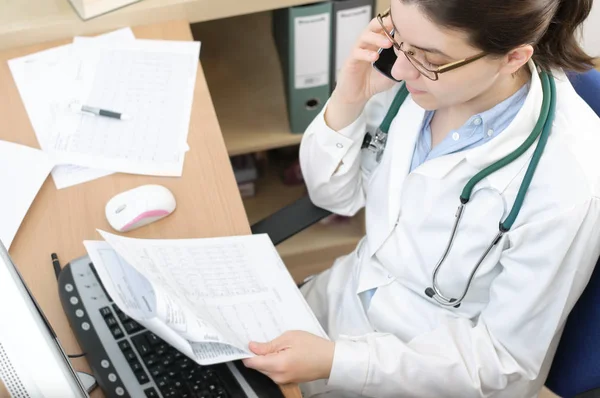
x: 499, y: 116
x: 518, y: 130
x: 490, y: 121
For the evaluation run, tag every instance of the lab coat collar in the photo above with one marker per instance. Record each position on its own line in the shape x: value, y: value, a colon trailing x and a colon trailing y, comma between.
x: 408, y: 123
x: 518, y: 130
x: 506, y: 142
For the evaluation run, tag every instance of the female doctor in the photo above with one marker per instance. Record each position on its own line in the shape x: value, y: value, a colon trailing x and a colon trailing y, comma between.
x: 483, y: 76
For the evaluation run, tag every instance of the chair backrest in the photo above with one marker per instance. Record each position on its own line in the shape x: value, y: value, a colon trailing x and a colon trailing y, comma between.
x: 576, y: 366
x: 587, y: 86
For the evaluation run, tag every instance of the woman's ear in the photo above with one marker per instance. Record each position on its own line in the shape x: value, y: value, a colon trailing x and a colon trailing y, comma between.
x: 516, y: 58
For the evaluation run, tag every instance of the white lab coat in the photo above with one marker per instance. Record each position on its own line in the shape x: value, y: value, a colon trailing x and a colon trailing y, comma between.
x: 501, y: 341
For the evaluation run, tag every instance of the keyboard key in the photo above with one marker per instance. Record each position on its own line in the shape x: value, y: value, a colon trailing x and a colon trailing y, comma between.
x: 150, y: 360
x: 191, y: 374
x: 130, y: 356
x: 184, y: 363
x: 162, y: 382
x: 117, y: 332
x: 171, y: 374
x: 132, y: 326
x: 154, y: 339
x: 157, y: 371
x: 151, y: 392
x: 142, y: 345
x: 135, y: 366
x: 167, y: 361
x: 161, y: 350
x: 141, y: 376
x: 124, y: 345
x: 105, y: 311
x: 220, y: 393
x: 111, y: 321
x: 196, y: 388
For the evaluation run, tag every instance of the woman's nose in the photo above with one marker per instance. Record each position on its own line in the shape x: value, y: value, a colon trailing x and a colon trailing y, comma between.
x: 403, y: 69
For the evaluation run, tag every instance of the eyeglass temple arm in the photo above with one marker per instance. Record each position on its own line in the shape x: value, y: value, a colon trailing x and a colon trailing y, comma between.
x: 458, y: 64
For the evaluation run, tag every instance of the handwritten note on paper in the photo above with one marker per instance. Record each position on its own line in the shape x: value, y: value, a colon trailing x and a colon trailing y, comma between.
x: 23, y: 170
x: 151, y: 81
x: 237, y: 287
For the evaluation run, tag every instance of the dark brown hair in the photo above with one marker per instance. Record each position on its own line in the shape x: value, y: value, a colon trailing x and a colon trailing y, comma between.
x: 498, y: 26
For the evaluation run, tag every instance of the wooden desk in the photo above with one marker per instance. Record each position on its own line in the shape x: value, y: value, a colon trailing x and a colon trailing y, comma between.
x: 208, y: 201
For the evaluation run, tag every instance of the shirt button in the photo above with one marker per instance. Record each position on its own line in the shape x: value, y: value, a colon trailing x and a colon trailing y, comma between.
x: 490, y: 132
x: 477, y: 121
x: 339, y: 145
x: 455, y: 136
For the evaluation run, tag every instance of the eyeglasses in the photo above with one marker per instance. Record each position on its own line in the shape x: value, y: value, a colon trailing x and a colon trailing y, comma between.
x: 418, y: 57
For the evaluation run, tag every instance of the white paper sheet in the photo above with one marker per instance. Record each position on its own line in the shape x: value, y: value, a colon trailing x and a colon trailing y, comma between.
x: 47, y: 81
x: 132, y: 293
x: 23, y: 170
x: 217, y: 293
x: 153, y: 82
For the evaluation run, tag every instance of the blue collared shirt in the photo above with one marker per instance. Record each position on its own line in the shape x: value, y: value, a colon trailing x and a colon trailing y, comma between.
x: 478, y: 130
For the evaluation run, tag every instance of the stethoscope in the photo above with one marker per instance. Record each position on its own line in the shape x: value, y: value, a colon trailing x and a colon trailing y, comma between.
x: 376, y: 144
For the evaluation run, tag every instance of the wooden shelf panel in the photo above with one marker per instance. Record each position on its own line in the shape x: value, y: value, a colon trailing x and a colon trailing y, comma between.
x: 245, y: 80
x: 322, y: 237
x: 26, y: 22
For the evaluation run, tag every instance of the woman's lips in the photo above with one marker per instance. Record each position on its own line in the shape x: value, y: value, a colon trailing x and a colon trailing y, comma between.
x: 414, y: 90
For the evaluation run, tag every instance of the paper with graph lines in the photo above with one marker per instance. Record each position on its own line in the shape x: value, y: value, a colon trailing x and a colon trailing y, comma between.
x: 208, y: 297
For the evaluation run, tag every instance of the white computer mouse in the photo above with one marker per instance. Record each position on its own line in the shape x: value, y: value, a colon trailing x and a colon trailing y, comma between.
x: 139, y: 206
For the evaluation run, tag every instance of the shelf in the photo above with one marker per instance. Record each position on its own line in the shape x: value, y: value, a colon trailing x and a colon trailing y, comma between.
x: 26, y: 22
x: 271, y: 195
x: 244, y: 77
x: 316, y: 247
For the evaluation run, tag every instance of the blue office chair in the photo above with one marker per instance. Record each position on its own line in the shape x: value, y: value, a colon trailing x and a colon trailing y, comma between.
x: 575, y: 371
x: 587, y: 86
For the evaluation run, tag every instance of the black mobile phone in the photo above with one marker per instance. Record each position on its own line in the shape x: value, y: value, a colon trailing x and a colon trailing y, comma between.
x: 385, y: 62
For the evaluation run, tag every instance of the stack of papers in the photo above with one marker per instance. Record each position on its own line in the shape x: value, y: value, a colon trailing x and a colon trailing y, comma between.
x: 150, y: 81
x: 23, y: 170
x: 208, y: 298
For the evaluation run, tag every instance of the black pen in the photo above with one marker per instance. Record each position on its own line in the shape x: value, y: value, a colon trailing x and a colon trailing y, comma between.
x: 56, y: 264
x: 100, y: 112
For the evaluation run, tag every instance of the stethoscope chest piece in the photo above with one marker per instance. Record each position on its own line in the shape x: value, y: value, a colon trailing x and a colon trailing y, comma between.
x: 375, y: 144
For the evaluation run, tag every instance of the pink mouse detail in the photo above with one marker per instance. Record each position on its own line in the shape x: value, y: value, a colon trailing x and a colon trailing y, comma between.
x: 146, y: 214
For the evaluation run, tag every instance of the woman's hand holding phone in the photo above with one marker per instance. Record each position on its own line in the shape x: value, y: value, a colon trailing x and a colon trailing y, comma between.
x: 358, y: 81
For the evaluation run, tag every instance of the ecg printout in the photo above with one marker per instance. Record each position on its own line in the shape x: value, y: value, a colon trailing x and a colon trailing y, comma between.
x: 47, y: 81
x: 152, y: 81
x: 237, y: 288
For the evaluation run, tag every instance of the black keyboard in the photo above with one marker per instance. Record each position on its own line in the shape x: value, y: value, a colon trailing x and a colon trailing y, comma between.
x: 174, y: 374
x: 128, y: 360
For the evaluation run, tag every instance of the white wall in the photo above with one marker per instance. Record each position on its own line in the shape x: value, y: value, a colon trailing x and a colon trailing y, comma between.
x: 591, y: 31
